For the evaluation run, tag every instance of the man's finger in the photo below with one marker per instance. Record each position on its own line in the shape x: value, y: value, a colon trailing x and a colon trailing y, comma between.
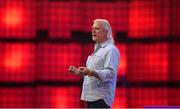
x: 81, y: 68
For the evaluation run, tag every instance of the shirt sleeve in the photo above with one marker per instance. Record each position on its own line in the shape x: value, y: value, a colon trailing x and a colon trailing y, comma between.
x: 110, y: 65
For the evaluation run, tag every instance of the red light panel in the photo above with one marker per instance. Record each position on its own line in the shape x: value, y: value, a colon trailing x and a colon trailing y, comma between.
x: 174, y: 63
x: 17, y: 19
x: 116, y: 11
x: 149, y: 18
x: 17, y: 98
x: 42, y: 14
x: 64, y: 18
x: 123, y: 62
x: 13, y: 17
x: 58, y: 97
x: 144, y: 97
x: 174, y: 96
x: 120, y: 98
x: 17, y: 62
x: 147, y: 62
x: 40, y: 63
x: 175, y: 17
x: 55, y: 59
x: 87, y: 50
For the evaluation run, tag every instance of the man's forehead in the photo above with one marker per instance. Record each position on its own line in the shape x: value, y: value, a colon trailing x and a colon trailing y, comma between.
x: 97, y: 24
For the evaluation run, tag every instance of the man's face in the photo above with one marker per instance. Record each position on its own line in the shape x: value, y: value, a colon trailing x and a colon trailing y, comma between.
x: 98, y: 33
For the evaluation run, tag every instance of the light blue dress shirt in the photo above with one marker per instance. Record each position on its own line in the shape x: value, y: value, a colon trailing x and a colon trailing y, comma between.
x: 105, y: 63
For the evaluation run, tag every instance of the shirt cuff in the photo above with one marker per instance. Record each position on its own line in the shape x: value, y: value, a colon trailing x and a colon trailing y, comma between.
x: 103, y: 74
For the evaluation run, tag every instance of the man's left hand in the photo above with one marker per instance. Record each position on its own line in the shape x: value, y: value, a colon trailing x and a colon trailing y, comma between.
x: 84, y: 70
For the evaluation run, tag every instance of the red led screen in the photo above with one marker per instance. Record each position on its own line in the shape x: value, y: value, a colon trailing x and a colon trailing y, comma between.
x: 40, y: 39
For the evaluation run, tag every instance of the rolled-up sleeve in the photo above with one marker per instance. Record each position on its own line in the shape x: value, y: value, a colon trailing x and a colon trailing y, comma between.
x: 111, y: 62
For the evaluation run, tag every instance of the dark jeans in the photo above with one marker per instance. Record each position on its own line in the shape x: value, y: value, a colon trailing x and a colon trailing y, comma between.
x: 97, y: 104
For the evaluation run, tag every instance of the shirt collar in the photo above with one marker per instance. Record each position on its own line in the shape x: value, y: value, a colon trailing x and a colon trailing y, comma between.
x: 103, y: 44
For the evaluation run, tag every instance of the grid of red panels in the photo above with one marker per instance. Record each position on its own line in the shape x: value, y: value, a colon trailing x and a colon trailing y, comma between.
x: 123, y: 61
x: 54, y: 60
x: 64, y: 17
x: 174, y: 96
x: 120, y: 98
x: 174, y: 61
x: 67, y: 97
x: 17, y: 62
x: 17, y: 97
x: 147, y: 62
x: 17, y: 19
x: 87, y: 50
x: 149, y: 18
x: 144, y: 97
x: 30, y: 62
x: 138, y: 18
x: 42, y: 11
x: 58, y: 97
x: 74, y: 14
x: 175, y: 18
x: 117, y: 14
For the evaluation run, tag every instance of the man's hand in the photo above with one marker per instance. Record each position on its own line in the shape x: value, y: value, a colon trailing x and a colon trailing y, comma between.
x: 74, y: 70
x: 84, y: 70
x: 89, y: 72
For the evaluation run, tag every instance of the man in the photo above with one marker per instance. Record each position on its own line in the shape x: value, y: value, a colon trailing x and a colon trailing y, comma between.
x: 101, y: 68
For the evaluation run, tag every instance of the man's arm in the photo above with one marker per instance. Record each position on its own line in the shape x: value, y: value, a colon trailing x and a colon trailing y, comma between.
x: 110, y: 65
x: 89, y: 72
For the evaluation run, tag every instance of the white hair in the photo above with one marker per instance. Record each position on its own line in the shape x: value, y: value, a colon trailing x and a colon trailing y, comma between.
x: 107, y: 27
